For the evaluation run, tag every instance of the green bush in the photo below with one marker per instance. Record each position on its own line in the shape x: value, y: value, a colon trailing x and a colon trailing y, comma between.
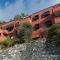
x: 54, y: 34
x: 24, y: 32
x: 7, y: 41
x: 19, y: 41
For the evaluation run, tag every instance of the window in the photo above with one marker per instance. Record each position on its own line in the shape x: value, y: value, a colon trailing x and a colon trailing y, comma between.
x: 0, y: 34
x: 35, y: 17
x: 9, y: 28
x: 48, y: 23
x: 17, y: 24
x: 0, y: 27
x: 36, y: 26
x: 45, y: 14
x: 5, y: 34
x: 57, y: 13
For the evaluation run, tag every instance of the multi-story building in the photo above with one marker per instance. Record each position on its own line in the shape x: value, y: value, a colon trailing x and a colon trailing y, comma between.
x: 40, y: 20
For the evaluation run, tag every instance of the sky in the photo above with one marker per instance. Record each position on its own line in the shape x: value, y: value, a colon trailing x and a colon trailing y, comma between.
x: 10, y: 8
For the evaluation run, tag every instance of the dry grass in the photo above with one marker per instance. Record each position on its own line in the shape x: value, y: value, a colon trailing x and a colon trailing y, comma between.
x: 2, y: 39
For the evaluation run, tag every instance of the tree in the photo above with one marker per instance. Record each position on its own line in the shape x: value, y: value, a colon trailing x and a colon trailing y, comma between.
x: 1, y: 22
x: 17, y: 17
x: 11, y: 20
x: 22, y: 15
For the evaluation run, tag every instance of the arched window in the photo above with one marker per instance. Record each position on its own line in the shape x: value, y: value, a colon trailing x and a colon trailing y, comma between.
x: 48, y: 23
x: 36, y: 27
x: 5, y: 34
x: 17, y: 24
x: 45, y: 14
x: 10, y: 27
x: 36, y: 17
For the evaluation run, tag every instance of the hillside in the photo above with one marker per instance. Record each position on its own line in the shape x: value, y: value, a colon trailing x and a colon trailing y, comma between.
x: 36, y: 50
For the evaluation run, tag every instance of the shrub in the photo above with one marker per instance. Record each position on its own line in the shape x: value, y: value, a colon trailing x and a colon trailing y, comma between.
x: 19, y: 41
x: 54, y: 34
x: 24, y: 32
x: 7, y: 41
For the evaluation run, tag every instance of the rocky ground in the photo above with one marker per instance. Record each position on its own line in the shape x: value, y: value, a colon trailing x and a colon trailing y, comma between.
x: 36, y: 50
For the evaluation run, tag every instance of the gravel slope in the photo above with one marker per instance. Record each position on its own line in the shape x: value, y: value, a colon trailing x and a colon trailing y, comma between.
x: 36, y: 50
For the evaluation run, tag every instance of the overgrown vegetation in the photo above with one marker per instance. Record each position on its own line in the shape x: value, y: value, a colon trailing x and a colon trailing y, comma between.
x: 1, y: 22
x: 24, y: 32
x: 54, y: 34
x: 8, y: 42
x: 22, y: 15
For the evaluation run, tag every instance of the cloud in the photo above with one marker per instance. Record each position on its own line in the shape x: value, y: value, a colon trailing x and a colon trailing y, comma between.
x: 11, y: 10
x: 27, y: 6
x: 37, y: 5
x: 3, y: 3
x: 6, y: 4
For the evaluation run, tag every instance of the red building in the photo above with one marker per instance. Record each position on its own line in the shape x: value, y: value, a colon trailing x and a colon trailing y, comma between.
x: 40, y: 20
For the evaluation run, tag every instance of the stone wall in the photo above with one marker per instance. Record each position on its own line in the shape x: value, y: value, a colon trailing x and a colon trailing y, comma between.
x: 36, y: 50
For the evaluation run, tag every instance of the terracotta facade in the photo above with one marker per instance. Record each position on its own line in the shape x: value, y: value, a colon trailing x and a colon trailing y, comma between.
x: 40, y: 20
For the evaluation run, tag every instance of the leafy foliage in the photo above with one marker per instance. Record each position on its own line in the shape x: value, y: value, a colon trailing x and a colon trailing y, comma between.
x: 54, y: 34
x: 7, y: 41
x: 24, y: 32
x: 22, y: 15
x: 1, y: 22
